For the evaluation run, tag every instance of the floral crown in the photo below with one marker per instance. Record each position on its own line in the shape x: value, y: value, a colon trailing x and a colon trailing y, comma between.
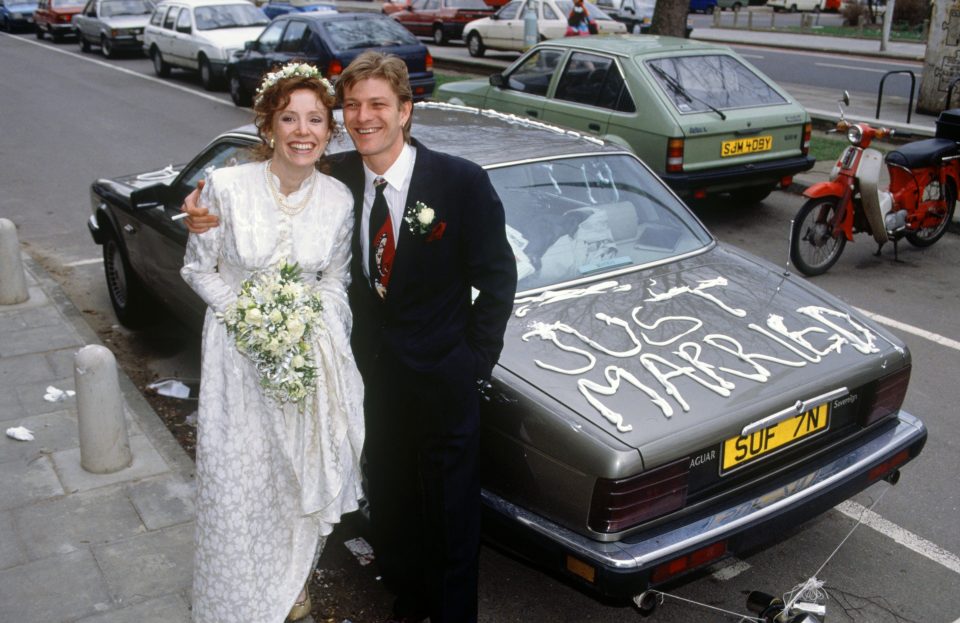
x: 291, y: 70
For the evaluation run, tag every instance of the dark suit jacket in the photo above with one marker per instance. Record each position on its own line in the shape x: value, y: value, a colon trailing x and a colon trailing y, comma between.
x: 427, y: 321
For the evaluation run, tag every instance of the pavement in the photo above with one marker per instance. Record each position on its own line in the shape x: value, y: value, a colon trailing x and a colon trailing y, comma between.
x: 116, y: 548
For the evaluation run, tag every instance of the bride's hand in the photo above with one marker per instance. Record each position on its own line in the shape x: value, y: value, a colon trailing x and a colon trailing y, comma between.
x: 199, y: 221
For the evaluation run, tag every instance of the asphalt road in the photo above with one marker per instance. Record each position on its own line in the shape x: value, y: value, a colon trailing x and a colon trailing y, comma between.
x: 67, y: 118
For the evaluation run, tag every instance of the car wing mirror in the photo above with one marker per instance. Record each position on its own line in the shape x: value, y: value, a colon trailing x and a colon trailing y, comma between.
x: 156, y: 196
x: 497, y: 80
x: 250, y: 45
x: 184, y: 29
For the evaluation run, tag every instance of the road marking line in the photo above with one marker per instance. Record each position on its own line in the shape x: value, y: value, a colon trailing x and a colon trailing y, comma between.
x: 878, y: 71
x: 900, y: 535
x: 98, y: 260
x: 730, y: 571
x: 896, y: 324
x: 124, y: 70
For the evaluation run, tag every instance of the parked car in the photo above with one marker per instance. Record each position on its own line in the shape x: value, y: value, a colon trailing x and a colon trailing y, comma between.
x: 442, y: 20
x: 200, y: 35
x: 702, y: 6
x: 55, y: 18
x: 663, y: 400
x: 273, y: 8
x: 504, y: 29
x: 330, y: 41
x: 697, y: 113
x: 736, y: 5
x: 636, y: 15
x: 114, y: 25
x: 796, y: 5
x: 16, y: 15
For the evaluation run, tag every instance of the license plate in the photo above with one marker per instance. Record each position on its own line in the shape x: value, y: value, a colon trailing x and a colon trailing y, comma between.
x: 739, y: 451
x: 741, y: 146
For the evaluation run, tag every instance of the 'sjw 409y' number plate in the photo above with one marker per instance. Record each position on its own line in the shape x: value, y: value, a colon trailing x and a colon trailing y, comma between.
x: 741, y: 146
x: 739, y: 451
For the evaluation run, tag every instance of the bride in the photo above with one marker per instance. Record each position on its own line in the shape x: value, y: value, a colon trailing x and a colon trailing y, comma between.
x: 274, y: 477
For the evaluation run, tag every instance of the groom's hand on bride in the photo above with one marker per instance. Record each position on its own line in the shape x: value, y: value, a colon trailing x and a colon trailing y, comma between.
x: 198, y: 220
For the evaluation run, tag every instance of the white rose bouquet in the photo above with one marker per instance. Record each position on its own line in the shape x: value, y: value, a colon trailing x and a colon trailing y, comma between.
x: 271, y: 322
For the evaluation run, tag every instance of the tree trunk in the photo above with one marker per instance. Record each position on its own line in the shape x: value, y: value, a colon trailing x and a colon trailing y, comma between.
x: 670, y: 18
x: 941, y: 65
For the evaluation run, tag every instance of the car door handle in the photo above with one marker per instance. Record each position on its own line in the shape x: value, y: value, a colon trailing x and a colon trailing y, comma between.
x: 594, y: 126
x: 130, y: 229
x: 533, y: 113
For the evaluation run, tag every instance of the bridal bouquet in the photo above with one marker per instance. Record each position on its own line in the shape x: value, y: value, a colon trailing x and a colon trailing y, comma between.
x: 271, y: 322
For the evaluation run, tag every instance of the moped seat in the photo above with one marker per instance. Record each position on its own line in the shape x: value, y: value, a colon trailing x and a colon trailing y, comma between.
x: 925, y: 153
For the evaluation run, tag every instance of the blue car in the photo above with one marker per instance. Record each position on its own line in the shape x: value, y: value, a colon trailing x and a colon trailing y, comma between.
x: 16, y: 15
x: 281, y: 7
x: 702, y: 6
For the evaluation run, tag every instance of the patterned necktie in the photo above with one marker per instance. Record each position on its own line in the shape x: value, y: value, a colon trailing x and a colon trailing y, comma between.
x: 382, y: 247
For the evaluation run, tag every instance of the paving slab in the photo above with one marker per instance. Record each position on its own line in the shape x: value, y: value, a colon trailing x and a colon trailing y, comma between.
x: 36, y: 298
x: 163, y: 501
x: 9, y: 405
x: 152, y: 564
x: 59, y: 588
x: 166, y: 609
x: 39, y: 339
x: 15, y: 371
x: 51, y: 431
x: 25, y: 482
x: 146, y: 462
x: 73, y: 522
x: 11, y: 551
x: 32, y: 399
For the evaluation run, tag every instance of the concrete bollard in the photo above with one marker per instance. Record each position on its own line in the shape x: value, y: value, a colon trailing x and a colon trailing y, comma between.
x: 104, y: 447
x: 13, y: 285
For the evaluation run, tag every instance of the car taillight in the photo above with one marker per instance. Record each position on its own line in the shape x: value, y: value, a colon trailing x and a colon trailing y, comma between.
x: 693, y: 560
x: 428, y: 62
x: 888, y: 395
x: 620, y: 504
x: 675, y: 155
x: 807, y: 132
x: 64, y: 19
x: 335, y: 68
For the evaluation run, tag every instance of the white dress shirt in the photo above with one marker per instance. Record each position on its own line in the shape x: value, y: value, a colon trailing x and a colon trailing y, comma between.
x: 398, y: 178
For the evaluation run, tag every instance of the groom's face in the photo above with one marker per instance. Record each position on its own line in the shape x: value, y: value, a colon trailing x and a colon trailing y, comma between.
x: 374, y: 118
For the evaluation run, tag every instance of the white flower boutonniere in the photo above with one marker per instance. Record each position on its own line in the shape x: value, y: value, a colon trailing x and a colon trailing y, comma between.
x: 422, y: 220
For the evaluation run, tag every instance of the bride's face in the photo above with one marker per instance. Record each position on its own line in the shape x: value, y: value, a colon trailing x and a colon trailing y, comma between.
x: 301, y: 131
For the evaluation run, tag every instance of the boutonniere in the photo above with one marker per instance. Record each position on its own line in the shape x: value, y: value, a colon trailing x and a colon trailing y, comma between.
x: 422, y: 219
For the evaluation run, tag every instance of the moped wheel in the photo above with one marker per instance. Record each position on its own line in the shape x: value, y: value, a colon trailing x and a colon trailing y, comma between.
x: 813, y: 247
x: 927, y: 236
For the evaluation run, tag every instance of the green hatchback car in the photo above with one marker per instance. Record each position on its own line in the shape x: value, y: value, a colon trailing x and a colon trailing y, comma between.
x: 698, y: 114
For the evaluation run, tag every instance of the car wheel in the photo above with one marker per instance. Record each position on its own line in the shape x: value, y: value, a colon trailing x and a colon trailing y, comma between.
x: 39, y: 32
x: 475, y: 45
x: 813, y: 246
x: 160, y: 66
x: 926, y: 237
x: 84, y: 44
x: 636, y: 28
x: 793, y: 8
x: 737, y: 6
x: 56, y: 35
x: 751, y: 195
x: 4, y: 26
x: 207, y: 79
x: 127, y: 294
x: 238, y: 94
x: 107, y: 48
x: 439, y: 36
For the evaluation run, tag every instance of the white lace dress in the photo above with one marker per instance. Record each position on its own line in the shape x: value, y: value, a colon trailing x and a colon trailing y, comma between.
x: 271, y: 481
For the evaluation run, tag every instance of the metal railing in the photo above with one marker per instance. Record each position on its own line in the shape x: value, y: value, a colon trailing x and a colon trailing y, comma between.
x: 913, y: 84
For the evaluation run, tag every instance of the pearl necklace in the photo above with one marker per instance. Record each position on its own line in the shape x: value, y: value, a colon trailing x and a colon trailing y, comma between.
x: 282, y: 203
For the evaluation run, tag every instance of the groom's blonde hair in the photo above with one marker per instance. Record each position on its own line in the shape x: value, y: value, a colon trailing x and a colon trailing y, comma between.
x: 387, y: 67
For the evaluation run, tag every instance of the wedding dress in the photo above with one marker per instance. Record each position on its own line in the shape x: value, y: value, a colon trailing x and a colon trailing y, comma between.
x: 271, y: 481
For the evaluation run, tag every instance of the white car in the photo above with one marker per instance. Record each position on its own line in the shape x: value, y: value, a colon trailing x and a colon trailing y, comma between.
x: 201, y: 35
x: 796, y: 5
x: 637, y: 15
x: 504, y: 29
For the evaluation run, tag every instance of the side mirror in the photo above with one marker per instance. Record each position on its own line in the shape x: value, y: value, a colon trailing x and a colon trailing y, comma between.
x: 250, y: 45
x: 495, y: 16
x: 156, y: 196
x: 846, y: 98
x: 497, y: 80
x: 184, y: 29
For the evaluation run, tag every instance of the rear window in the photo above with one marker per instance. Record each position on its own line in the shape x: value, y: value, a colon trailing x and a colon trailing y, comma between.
x: 229, y: 16
x: 569, y: 218
x: 697, y: 83
x: 367, y: 33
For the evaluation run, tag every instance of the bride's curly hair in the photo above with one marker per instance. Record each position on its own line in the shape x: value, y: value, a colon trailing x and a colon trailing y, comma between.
x: 275, y: 97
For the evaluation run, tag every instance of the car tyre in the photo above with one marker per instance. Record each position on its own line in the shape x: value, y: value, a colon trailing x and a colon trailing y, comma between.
x: 84, y: 44
x: 5, y: 25
x: 38, y: 32
x: 751, y: 196
x: 636, y: 28
x: 475, y: 45
x: 57, y: 36
x: 127, y: 294
x: 207, y: 79
x: 107, y: 48
x: 238, y: 94
x: 160, y: 66
x: 793, y: 8
x: 439, y: 35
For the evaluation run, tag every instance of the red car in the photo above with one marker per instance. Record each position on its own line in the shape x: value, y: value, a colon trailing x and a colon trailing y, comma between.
x: 440, y: 19
x: 55, y: 17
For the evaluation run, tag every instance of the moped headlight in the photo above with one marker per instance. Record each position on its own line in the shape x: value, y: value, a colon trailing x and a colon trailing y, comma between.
x: 854, y: 134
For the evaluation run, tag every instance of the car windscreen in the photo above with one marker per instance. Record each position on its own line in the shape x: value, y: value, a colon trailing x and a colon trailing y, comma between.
x: 595, y: 12
x: 66, y: 3
x: 571, y: 218
x: 115, y: 8
x: 367, y: 33
x: 711, y: 81
x: 229, y: 16
x: 478, y: 5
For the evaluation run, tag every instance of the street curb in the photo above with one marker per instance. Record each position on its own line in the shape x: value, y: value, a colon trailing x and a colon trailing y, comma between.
x: 801, y: 46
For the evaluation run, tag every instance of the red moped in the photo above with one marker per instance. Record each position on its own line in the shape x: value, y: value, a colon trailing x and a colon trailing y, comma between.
x: 918, y: 204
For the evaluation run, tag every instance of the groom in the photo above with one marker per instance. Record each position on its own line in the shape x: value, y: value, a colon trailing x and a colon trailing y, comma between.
x: 429, y: 228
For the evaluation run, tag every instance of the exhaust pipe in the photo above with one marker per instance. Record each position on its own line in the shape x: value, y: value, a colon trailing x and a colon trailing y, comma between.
x: 646, y: 602
x: 893, y: 477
